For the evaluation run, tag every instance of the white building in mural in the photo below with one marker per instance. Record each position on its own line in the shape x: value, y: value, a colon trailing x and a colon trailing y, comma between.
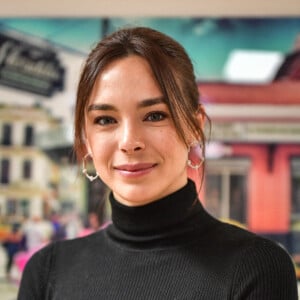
x: 25, y: 171
x: 27, y: 120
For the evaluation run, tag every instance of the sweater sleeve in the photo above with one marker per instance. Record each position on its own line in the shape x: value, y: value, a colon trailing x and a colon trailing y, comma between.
x: 35, y: 283
x: 265, y: 271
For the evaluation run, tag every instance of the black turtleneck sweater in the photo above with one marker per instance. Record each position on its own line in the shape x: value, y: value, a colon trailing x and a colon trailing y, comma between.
x: 169, y: 249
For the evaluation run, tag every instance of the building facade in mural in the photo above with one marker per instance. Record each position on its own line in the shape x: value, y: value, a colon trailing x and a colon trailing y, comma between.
x: 25, y: 171
x: 255, y: 178
x: 32, y: 183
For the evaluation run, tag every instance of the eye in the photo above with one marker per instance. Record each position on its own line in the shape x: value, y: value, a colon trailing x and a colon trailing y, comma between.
x: 156, y: 116
x: 104, y: 120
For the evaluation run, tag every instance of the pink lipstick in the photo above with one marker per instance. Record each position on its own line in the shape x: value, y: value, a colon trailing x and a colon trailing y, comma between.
x: 135, y: 169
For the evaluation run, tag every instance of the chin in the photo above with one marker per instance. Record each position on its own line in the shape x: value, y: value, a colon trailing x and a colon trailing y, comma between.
x: 134, y: 196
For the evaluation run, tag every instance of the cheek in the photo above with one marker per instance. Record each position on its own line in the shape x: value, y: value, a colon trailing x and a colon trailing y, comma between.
x: 100, y: 149
x: 175, y: 149
x: 102, y: 158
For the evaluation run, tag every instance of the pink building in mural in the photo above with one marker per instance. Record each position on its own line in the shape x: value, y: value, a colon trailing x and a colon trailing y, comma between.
x: 255, y: 176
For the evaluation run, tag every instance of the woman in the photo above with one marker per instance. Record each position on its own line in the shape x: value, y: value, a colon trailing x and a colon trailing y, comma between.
x: 138, y: 118
x: 13, y: 243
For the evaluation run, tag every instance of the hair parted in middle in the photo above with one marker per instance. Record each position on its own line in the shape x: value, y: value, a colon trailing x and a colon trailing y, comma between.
x: 171, y: 67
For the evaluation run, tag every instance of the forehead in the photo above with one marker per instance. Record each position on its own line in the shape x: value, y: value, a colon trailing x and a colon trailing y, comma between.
x: 130, y: 64
x: 128, y: 77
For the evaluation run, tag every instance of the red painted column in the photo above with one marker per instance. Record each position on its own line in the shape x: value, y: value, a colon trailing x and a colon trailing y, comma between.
x: 269, y: 186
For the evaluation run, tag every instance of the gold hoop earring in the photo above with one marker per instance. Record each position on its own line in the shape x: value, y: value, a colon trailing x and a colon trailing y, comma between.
x: 196, y: 150
x: 85, y: 171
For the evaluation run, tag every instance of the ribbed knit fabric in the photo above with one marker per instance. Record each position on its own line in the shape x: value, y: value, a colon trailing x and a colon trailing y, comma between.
x: 169, y: 249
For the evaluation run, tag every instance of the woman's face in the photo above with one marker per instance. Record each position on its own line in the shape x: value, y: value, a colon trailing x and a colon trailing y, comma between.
x: 131, y: 136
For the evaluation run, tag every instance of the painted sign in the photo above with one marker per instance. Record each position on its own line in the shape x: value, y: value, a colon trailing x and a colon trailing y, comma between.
x: 258, y: 132
x: 29, y: 67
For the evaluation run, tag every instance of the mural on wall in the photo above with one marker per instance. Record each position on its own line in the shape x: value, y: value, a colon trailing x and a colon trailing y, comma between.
x: 40, y: 63
x: 199, y: 36
x: 266, y: 41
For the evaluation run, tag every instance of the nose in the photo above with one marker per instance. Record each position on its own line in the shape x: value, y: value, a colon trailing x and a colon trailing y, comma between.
x: 131, y: 139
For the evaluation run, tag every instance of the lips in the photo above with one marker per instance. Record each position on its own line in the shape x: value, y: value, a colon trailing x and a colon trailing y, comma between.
x: 137, y: 167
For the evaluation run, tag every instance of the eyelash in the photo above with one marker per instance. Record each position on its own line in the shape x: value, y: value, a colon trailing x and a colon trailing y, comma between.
x: 99, y: 120
x: 110, y: 120
x: 161, y: 114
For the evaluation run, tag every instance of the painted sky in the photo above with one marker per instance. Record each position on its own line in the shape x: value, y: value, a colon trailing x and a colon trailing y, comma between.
x: 208, y: 41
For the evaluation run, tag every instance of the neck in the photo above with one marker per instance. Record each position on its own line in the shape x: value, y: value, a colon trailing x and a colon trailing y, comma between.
x: 168, y: 222
x: 164, y: 212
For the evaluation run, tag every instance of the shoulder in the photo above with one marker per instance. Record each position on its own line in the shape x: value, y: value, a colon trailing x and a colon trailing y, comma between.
x: 261, y: 253
x: 35, y: 277
x: 262, y: 268
x: 236, y: 237
x: 47, y: 257
x: 251, y: 247
x: 53, y: 262
x: 85, y: 244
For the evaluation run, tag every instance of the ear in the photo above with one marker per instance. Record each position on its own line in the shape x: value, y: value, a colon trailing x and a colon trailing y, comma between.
x: 87, y: 145
x: 201, y: 115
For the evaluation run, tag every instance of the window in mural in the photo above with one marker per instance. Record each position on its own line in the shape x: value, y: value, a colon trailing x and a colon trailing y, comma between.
x: 238, y: 196
x: 11, y: 207
x: 29, y: 136
x: 6, y: 134
x: 295, y: 204
x: 295, y: 187
x: 24, y: 207
x: 213, y: 194
x: 5, y: 166
x: 225, y: 189
x: 27, y: 169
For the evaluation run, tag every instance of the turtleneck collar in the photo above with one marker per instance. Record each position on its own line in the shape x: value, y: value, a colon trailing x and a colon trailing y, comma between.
x: 157, y: 216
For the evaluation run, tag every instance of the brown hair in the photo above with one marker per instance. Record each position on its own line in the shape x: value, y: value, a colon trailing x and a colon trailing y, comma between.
x: 171, y: 67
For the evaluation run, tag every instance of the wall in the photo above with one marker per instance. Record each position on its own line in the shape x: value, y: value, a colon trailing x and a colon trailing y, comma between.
x: 89, y: 8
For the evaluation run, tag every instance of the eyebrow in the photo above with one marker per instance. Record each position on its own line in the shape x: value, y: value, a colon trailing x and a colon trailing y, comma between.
x: 142, y: 104
x: 100, y: 107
